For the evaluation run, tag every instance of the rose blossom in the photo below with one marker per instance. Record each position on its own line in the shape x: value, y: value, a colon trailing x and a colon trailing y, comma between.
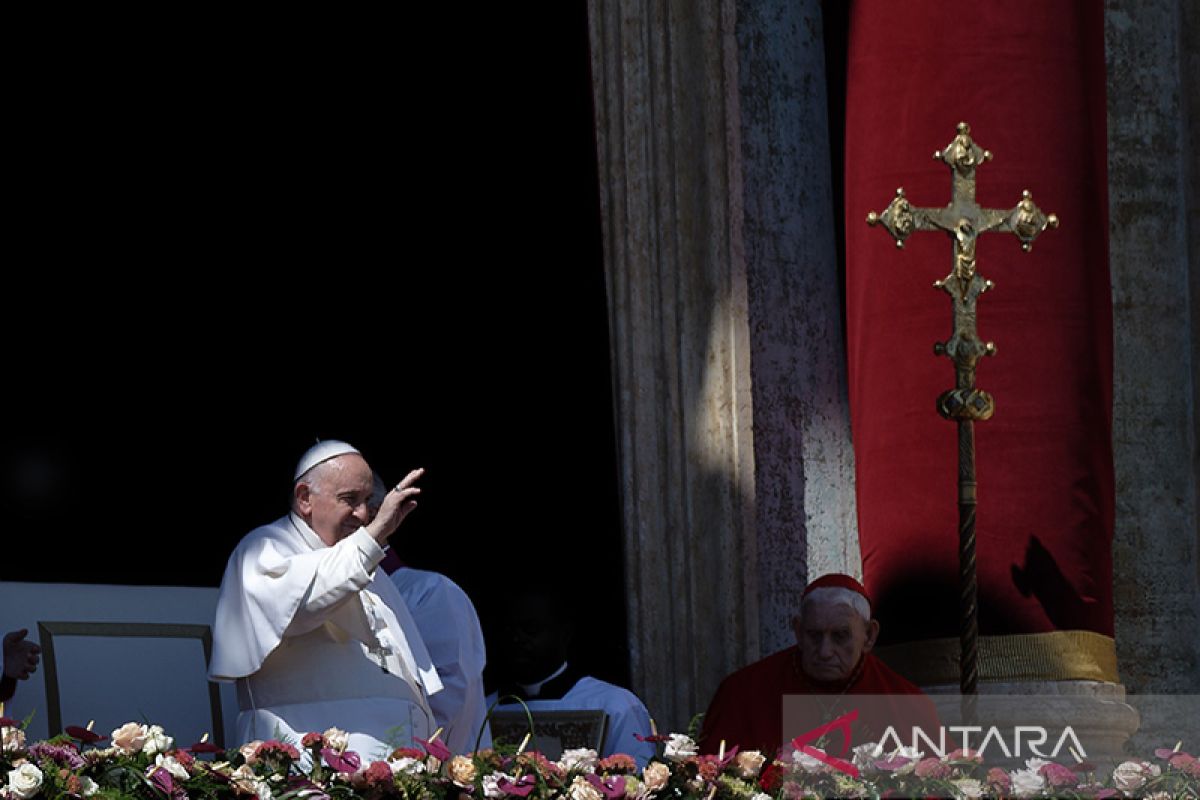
x: 462, y: 771
x: 679, y: 747
x: 249, y: 751
x: 968, y: 787
x: 336, y: 739
x: 129, y: 738
x: 1058, y: 775
x: 749, y: 762
x: 1129, y: 775
x: 999, y: 778
x: 1026, y: 782
x: 582, y: 790
x: 157, y: 741
x: 25, y: 781
x: 932, y: 768
x: 581, y: 758
x: 655, y: 775
x: 14, y: 739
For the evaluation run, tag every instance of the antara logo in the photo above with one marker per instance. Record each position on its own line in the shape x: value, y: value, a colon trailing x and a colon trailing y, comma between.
x: 1034, y: 737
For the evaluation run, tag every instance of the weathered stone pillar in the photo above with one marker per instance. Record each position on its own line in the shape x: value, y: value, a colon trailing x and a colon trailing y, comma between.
x: 736, y: 472
x: 803, y: 459
x: 665, y: 81
x: 1152, y: 165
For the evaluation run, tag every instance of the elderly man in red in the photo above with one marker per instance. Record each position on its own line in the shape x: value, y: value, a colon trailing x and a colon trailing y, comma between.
x: 831, y: 659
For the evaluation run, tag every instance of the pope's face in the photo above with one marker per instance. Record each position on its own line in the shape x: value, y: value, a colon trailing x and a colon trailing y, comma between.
x: 336, y: 506
x: 832, y: 638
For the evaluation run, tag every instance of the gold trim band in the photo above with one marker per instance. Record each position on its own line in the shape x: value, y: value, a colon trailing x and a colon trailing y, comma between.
x: 1055, y: 656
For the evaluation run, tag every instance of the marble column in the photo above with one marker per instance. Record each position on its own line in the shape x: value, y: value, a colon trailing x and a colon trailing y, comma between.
x: 729, y: 386
x: 1153, y: 116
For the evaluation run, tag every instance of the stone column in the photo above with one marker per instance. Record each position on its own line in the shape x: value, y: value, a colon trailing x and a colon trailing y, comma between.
x: 733, y: 433
x: 1152, y: 123
x: 804, y: 463
x: 665, y: 82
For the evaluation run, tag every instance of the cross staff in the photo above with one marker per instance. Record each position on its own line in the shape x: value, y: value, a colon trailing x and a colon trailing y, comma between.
x: 964, y: 220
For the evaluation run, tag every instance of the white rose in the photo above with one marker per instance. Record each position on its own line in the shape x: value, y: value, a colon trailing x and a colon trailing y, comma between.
x: 968, y: 787
x: 25, y: 781
x: 14, y: 739
x: 172, y: 766
x: 806, y: 762
x: 1035, y: 764
x: 157, y: 741
x: 336, y: 739
x: 750, y: 762
x: 581, y: 758
x: 491, y: 785
x: 865, y: 755
x: 1026, y: 782
x: 1128, y: 776
x: 655, y: 775
x: 582, y: 790
x: 760, y: 796
x: 680, y: 747
x: 409, y: 766
x: 129, y: 738
x: 87, y: 786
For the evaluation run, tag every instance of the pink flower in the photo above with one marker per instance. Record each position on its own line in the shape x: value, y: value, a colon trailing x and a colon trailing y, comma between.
x: 618, y: 762
x: 312, y: 739
x: 347, y: 762
x: 1058, y: 775
x: 277, y: 750
x: 379, y: 773
x: 965, y: 754
x: 932, y: 768
x: 999, y: 779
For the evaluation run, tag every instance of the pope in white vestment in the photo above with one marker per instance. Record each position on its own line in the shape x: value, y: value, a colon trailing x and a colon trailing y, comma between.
x: 312, y: 632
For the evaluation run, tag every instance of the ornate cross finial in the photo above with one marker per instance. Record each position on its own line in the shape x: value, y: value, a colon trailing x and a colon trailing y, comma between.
x: 963, y: 220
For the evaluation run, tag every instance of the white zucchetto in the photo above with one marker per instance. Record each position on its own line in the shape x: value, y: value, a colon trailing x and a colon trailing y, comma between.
x: 322, y: 451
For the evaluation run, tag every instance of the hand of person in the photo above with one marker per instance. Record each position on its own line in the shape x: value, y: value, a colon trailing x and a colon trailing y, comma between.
x: 397, y: 504
x: 20, y: 656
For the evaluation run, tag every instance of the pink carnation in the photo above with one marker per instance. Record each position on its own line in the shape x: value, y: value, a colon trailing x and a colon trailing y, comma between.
x: 312, y: 740
x: 276, y: 748
x: 932, y: 768
x: 379, y: 773
x: 999, y: 778
x: 618, y: 762
x: 1058, y: 775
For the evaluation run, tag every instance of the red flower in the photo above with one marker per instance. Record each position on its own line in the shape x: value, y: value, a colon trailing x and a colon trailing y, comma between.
x: 312, y: 740
x: 771, y: 777
x: 407, y: 752
x: 379, y: 773
x: 618, y: 762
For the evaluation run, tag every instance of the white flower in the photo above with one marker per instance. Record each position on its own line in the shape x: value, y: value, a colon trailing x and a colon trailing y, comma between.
x: 582, y: 759
x: 679, y: 747
x: 87, y: 786
x: 1036, y: 764
x: 808, y: 763
x: 760, y: 796
x: 655, y: 775
x: 968, y: 787
x: 865, y: 755
x: 25, y: 781
x: 336, y: 739
x: 750, y: 762
x: 157, y: 741
x: 1026, y: 782
x: 409, y: 766
x: 172, y: 766
x: 491, y: 786
x: 582, y: 790
x: 14, y: 739
x: 1129, y: 775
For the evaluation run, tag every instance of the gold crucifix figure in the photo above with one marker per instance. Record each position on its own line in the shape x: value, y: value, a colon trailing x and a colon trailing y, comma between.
x: 963, y: 220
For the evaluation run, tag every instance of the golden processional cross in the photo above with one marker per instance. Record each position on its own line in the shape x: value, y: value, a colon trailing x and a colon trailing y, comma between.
x: 963, y: 220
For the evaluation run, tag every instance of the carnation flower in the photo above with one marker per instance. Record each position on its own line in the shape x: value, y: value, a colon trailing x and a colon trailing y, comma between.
x: 312, y: 739
x: 461, y: 770
x: 1057, y: 775
x: 999, y: 779
x: 409, y: 766
x: 968, y: 788
x: 581, y: 759
x: 378, y: 774
x: 618, y: 763
x: 1026, y: 782
x: 680, y: 747
x: 932, y: 768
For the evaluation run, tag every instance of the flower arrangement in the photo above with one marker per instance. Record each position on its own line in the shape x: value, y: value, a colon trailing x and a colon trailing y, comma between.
x: 142, y: 761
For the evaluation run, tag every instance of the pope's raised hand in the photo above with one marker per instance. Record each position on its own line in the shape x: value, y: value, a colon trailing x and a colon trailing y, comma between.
x: 397, y: 504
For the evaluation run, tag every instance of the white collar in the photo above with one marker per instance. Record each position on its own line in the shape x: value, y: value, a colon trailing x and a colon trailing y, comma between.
x: 306, y: 533
x: 534, y: 689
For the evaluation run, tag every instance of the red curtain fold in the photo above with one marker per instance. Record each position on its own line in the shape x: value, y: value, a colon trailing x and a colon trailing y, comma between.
x: 1028, y: 76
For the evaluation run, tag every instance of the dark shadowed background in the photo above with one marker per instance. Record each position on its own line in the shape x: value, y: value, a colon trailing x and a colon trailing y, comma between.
x: 230, y: 235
